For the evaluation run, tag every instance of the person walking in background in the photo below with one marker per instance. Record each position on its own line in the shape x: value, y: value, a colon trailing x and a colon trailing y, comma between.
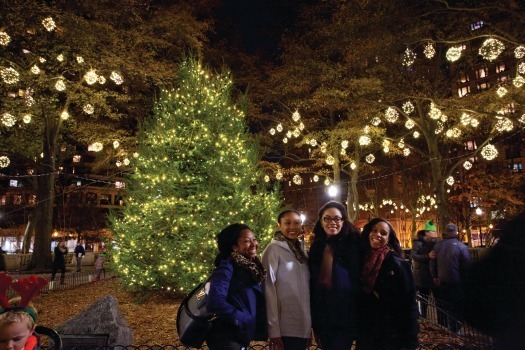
x: 287, y: 286
x: 100, y: 263
x: 59, y: 261
x: 448, y: 269
x: 335, y: 264
x: 236, y: 295
x: 422, y: 253
x: 79, y: 254
x: 388, y: 313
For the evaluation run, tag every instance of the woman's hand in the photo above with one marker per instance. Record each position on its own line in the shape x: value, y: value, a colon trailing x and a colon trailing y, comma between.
x: 276, y: 344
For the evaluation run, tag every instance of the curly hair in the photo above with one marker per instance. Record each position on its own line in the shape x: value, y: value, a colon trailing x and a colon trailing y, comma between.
x: 227, y: 238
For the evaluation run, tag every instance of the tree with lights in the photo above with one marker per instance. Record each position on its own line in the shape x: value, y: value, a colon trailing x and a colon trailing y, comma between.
x: 196, y: 172
x: 413, y: 110
x: 63, y: 92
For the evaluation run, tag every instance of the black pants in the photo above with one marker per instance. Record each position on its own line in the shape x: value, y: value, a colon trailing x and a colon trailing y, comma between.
x: 330, y: 341
x: 294, y: 343
x: 222, y: 337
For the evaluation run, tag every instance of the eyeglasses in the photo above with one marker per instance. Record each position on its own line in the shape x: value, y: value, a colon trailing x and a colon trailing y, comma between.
x: 336, y: 219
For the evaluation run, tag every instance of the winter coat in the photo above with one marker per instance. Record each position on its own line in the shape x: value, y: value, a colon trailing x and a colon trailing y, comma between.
x: 334, y: 311
x: 60, y: 257
x: 238, y: 301
x: 452, y: 259
x: 421, y: 262
x: 389, y: 315
x: 287, y: 292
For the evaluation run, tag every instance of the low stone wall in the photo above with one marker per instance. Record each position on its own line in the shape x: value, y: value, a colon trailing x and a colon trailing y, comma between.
x: 19, y: 262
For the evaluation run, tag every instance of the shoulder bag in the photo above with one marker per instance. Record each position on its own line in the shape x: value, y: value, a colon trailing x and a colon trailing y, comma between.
x: 193, y: 319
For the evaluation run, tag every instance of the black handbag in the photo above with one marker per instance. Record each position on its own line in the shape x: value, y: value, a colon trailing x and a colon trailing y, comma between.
x: 193, y: 319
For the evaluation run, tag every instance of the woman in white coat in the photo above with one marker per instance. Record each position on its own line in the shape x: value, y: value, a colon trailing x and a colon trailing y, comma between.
x: 287, y: 286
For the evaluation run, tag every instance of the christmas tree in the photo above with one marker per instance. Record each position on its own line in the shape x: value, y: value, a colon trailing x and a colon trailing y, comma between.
x: 196, y: 172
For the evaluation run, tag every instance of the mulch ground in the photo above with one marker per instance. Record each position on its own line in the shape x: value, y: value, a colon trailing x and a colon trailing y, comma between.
x: 151, y: 316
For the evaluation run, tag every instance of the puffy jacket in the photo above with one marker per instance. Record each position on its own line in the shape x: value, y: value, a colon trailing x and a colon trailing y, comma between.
x: 452, y: 259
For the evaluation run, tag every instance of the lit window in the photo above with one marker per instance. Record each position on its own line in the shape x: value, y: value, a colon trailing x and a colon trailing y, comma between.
x: 76, y: 159
x: 13, y: 183
x: 516, y: 167
x: 120, y: 184
x: 463, y: 78
x: 31, y: 199
x: 470, y: 145
x: 476, y: 25
x: 17, y: 199
x: 501, y: 67
x: 462, y: 91
x: 483, y: 86
x: 482, y: 72
x: 503, y: 78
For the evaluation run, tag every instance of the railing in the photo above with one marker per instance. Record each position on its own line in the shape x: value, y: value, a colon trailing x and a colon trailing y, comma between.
x: 442, y: 315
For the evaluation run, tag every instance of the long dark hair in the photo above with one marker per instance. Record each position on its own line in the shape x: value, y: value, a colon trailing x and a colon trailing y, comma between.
x: 393, y: 241
x: 226, y: 239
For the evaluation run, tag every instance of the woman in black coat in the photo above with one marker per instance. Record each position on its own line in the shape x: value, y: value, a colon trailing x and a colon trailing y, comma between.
x: 335, y: 264
x: 388, y: 314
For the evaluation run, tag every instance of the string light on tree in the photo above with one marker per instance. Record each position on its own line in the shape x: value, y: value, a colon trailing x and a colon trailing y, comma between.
x: 116, y: 144
x: 60, y: 85
x: 296, y: 116
x: 96, y: 147
x: 409, y: 124
x: 5, y: 39
x: 8, y: 120
x: 26, y: 118
x: 316, y: 178
x: 49, y: 24
x: 408, y: 107
x: 519, y: 52
x: 64, y: 115
x: 279, y: 127
x: 370, y: 158
x: 409, y: 57
x: 489, y: 152
x: 429, y: 50
x: 297, y: 180
x: 406, y: 152
x: 353, y: 166
x: 4, y: 161
x: 518, y: 81
x: 10, y: 75
x: 80, y: 59
x: 272, y: 131
x: 375, y: 121
x: 116, y: 77
x: 60, y: 58
x: 391, y: 115
x: 330, y: 160
x: 521, y: 68
x: 279, y: 175
x: 501, y: 91
x: 491, y: 49
x: 89, y: 109
x: 467, y: 165
x: 364, y: 140
x: 504, y: 124
x: 35, y: 70
x: 450, y: 180
x: 453, y: 54
x: 416, y: 134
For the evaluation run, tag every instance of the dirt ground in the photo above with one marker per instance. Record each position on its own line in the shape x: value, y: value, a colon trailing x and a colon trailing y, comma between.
x: 150, y: 316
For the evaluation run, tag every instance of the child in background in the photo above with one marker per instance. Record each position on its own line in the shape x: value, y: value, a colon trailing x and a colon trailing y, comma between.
x: 18, y: 315
x: 99, y: 263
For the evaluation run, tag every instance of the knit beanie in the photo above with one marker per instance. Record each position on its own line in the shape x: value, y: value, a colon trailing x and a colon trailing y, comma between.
x: 430, y: 226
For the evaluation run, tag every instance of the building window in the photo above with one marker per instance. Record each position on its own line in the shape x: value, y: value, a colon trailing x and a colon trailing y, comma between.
x: 476, y: 25
x: 483, y: 86
x: 3, y: 199
x: 31, y: 199
x: 120, y: 184
x: 516, y: 167
x: 77, y: 158
x: 462, y: 91
x: 470, y: 145
x: 463, y: 78
x: 13, y: 183
x: 501, y: 67
x: 504, y: 79
x: 482, y: 72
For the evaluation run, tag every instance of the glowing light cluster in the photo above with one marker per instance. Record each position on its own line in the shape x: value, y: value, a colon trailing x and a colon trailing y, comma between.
x: 35, y: 69
x: 504, y: 124
x: 10, y: 75
x: 375, y: 121
x: 489, y: 152
x: 409, y: 124
x: 344, y: 144
x: 434, y: 112
x: 491, y: 49
x: 8, y: 120
x: 518, y: 81
x: 519, y: 52
x: 401, y: 143
x: 453, y: 133
x: 316, y: 178
x: 297, y: 180
x: 313, y: 142
x: 406, y: 152
x: 364, y: 140
x: 4, y: 39
x: 391, y: 115
x: 116, y: 77
x: 453, y: 54
x: 60, y: 85
x: 450, y: 180
x: 429, y: 50
x: 64, y: 115
x: 279, y: 175
x: 408, y: 107
x: 95, y: 147
x: 521, y: 68
x: 89, y: 109
x: 272, y: 131
x: 330, y: 160
x: 416, y: 134
x: 80, y: 59
x: 296, y: 116
x: 60, y: 58
x: 279, y: 127
x: 91, y: 77
x: 439, y: 128
x: 467, y: 165
x: 370, y: 158
x: 408, y: 57
x: 501, y: 91
x: 4, y: 161
x: 353, y: 166
x: 116, y: 144
x: 49, y: 24
x: 266, y: 178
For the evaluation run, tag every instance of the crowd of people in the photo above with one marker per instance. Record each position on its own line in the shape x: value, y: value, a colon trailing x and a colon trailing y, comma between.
x: 349, y: 289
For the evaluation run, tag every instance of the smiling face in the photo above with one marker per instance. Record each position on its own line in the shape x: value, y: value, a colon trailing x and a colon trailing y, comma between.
x: 246, y: 244
x: 13, y: 335
x: 290, y: 225
x: 379, y: 235
x: 332, y: 221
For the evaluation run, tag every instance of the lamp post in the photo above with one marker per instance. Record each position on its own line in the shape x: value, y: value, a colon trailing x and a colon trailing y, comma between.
x: 479, y: 212
x: 332, y: 191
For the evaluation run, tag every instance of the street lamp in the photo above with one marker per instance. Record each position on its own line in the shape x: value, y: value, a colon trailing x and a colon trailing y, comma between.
x: 479, y: 212
x: 332, y: 191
